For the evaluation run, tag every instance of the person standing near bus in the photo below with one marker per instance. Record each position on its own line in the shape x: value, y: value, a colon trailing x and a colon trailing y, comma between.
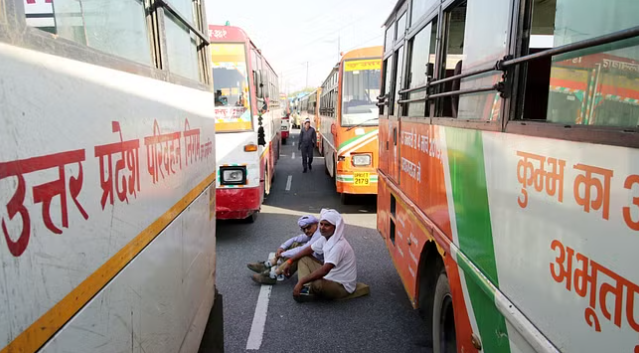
x: 308, y: 139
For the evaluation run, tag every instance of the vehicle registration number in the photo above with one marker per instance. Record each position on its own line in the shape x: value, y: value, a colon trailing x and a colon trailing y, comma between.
x: 361, y: 179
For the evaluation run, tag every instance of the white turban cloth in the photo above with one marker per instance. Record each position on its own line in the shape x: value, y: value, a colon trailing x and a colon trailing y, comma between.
x: 306, y: 221
x: 333, y: 217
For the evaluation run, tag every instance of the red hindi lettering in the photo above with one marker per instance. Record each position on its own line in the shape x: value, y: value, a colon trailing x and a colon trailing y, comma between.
x: 627, y: 216
x: 191, y: 143
x: 162, y: 151
x: 129, y: 159
x: 602, y: 189
x: 43, y: 193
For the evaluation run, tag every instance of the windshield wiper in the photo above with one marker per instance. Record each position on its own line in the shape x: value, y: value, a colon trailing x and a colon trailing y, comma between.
x: 361, y: 123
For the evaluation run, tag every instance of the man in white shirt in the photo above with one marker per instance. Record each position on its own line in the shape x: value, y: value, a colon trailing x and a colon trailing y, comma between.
x: 337, y: 277
x: 268, y: 272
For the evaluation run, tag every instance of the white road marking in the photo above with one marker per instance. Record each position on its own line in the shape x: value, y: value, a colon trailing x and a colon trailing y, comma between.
x: 259, y: 319
x: 288, y: 183
x: 293, y: 156
x: 293, y: 144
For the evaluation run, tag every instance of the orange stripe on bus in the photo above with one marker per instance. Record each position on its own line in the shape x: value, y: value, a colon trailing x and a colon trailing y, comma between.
x: 36, y: 335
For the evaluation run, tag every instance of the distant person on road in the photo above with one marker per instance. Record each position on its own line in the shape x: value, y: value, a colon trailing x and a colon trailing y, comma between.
x: 337, y: 277
x: 308, y: 140
x: 269, y: 273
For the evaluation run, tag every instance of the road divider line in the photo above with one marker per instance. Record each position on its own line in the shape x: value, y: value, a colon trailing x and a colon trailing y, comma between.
x: 293, y: 144
x: 256, y: 335
x: 288, y: 183
x: 293, y: 156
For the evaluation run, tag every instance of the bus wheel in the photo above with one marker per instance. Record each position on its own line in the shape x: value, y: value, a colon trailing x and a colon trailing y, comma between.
x: 252, y: 218
x: 444, y: 337
x: 345, y: 198
x: 283, y: 141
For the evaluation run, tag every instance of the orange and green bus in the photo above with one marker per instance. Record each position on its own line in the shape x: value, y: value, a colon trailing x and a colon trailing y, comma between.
x: 509, y: 171
x: 349, y: 122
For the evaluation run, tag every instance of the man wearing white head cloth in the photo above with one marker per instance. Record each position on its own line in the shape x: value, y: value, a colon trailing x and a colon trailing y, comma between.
x: 269, y: 273
x: 337, y: 277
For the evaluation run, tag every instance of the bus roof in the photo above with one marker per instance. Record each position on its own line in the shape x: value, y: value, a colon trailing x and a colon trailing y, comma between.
x: 218, y: 33
x: 361, y: 53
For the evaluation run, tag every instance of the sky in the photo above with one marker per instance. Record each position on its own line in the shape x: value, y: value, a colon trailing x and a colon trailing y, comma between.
x: 294, y: 33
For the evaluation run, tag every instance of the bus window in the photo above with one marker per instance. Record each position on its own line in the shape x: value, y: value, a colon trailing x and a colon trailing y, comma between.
x: 419, y: 9
x: 181, y: 48
x: 401, y: 26
x: 231, y: 85
x: 422, y: 53
x: 387, y: 88
x: 390, y: 36
x: 456, y: 20
x: 594, y: 86
x: 184, y: 7
x: 116, y: 27
x: 399, y: 79
x: 360, y: 88
x: 484, y: 42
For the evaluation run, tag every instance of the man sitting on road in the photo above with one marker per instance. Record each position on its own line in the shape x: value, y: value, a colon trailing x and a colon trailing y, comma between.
x: 337, y: 277
x: 308, y: 141
x: 269, y: 273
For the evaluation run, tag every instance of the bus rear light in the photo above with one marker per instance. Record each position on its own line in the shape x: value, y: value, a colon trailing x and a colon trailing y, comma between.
x: 361, y: 160
x: 232, y: 175
x: 250, y: 148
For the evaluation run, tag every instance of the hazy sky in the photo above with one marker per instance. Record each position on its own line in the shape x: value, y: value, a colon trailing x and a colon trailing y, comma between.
x: 291, y: 33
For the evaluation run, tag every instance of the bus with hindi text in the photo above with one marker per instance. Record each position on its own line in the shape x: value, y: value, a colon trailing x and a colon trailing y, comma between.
x: 349, y: 122
x: 107, y: 177
x: 509, y: 171
x: 247, y: 121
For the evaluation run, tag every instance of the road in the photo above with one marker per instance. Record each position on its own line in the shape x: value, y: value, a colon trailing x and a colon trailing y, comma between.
x: 384, y: 321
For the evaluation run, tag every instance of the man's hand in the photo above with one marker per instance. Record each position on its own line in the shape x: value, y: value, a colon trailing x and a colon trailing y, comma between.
x: 298, y: 289
x: 279, y: 252
x: 287, y: 270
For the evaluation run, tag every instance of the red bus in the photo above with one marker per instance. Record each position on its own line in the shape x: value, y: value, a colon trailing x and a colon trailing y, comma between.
x: 247, y: 112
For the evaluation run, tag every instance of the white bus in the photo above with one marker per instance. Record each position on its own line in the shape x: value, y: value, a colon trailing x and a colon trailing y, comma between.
x: 248, y: 118
x: 107, y: 176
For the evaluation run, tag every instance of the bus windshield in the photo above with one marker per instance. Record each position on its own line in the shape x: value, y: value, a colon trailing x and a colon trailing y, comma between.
x: 360, y: 91
x: 230, y: 79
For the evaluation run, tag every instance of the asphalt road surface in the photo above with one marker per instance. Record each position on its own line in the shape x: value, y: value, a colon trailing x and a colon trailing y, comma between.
x: 383, y: 321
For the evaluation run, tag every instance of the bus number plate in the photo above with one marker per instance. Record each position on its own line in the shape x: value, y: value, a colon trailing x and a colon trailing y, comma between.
x: 361, y: 179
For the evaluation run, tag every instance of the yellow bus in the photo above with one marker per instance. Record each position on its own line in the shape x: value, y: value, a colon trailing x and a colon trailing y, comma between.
x: 349, y: 122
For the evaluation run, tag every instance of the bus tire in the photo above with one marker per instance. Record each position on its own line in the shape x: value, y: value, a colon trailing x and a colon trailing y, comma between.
x: 444, y: 335
x: 252, y: 218
x: 345, y: 198
x: 283, y: 141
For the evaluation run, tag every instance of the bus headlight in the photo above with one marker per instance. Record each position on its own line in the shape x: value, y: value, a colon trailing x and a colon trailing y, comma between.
x: 233, y: 175
x: 362, y: 160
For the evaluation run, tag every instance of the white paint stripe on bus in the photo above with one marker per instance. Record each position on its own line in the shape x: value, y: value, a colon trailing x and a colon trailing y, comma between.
x: 256, y: 335
x: 288, y: 183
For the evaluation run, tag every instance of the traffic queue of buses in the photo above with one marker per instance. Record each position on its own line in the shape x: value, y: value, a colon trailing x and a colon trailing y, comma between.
x: 501, y: 141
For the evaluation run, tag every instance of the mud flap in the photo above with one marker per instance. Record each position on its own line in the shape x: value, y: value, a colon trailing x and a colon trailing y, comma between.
x: 213, y: 338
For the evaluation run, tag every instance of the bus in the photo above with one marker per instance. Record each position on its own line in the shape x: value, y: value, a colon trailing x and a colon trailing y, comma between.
x: 285, y: 126
x: 310, y: 110
x: 107, y: 177
x: 509, y: 171
x: 247, y: 122
x: 349, y: 122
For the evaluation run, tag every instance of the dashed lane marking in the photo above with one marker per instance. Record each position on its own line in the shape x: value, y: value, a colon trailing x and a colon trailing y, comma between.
x: 288, y: 183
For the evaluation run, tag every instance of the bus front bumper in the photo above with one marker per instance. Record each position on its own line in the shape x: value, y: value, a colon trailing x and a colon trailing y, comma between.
x: 237, y: 203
